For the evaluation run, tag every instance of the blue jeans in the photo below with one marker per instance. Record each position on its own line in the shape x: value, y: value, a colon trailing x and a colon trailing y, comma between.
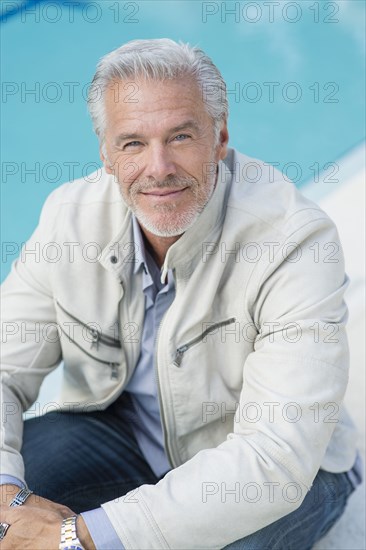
x: 82, y: 460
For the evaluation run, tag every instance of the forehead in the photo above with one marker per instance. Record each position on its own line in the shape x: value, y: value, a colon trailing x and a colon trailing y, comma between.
x: 140, y: 104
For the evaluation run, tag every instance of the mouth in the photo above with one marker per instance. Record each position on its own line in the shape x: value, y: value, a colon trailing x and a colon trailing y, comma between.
x: 164, y: 193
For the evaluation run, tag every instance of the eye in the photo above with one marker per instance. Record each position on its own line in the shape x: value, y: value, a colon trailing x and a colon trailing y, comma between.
x: 182, y: 137
x: 132, y: 144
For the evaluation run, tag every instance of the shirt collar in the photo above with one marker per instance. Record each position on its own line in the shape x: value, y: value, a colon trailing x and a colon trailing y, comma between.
x: 151, y: 273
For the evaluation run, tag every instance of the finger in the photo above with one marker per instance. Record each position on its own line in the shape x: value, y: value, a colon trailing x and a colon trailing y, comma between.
x: 4, y: 527
x: 5, y: 544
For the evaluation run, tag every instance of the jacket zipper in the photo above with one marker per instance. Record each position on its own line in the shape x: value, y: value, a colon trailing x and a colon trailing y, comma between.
x: 161, y: 406
x: 96, y: 335
x: 162, y: 415
x: 113, y: 366
x: 182, y: 349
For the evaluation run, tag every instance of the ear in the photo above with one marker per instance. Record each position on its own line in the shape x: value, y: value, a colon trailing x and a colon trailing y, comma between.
x: 223, y: 140
x: 105, y: 161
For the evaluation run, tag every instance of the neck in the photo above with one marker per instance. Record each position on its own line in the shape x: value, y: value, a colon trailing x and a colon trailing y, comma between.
x: 158, y: 246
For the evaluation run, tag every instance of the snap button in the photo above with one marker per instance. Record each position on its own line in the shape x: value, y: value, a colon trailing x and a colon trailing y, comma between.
x: 114, y: 259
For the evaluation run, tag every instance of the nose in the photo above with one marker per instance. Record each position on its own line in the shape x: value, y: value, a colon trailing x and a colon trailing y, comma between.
x: 159, y: 162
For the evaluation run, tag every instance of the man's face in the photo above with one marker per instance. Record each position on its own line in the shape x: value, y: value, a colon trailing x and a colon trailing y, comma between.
x: 160, y: 145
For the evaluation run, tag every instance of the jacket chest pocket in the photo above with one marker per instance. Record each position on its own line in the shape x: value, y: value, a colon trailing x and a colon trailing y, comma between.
x: 85, y: 342
x: 212, y: 360
x: 206, y: 376
x: 200, y: 338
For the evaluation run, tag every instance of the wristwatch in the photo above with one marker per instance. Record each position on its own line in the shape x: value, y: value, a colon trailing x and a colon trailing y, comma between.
x: 21, y: 497
x: 69, y: 538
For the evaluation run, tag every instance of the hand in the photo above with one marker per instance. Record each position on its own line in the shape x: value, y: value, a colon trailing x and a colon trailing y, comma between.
x: 32, y: 527
x: 37, y: 523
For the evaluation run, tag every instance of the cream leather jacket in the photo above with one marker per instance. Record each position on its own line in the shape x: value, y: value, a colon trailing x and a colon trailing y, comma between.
x: 251, y: 358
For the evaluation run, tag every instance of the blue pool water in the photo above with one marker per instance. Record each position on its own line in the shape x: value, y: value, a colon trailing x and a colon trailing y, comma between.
x: 295, y: 74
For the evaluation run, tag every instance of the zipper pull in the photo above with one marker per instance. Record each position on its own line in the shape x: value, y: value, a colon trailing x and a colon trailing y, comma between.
x: 179, y: 355
x: 114, y: 371
x: 95, y: 338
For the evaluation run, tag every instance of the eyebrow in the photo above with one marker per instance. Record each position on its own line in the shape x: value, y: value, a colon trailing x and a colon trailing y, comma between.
x: 189, y: 124
x: 125, y: 137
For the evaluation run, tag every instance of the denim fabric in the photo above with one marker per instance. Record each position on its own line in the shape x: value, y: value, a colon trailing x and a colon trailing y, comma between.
x: 83, y: 460
x: 322, y: 507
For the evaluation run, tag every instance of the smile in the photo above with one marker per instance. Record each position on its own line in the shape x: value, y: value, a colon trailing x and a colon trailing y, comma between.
x: 164, y: 193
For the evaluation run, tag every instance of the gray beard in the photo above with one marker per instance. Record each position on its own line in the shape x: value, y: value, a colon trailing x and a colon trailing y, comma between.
x: 170, y: 225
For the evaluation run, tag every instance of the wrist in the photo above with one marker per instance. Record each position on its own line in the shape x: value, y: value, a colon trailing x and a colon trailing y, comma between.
x: 83, y: 534
x: 21, y: 497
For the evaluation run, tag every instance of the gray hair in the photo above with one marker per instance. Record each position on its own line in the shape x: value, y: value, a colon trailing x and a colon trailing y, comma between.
x: 158, y: 59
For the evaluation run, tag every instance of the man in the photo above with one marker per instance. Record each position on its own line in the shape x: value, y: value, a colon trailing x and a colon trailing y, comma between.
x: 205, y: 356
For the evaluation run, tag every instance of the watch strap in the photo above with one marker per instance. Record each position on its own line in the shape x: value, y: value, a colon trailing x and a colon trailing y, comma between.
x: 69, y: 538
x: 20, y: 497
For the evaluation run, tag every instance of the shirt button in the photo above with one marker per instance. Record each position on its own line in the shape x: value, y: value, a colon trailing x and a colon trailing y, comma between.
x: 114, y: 259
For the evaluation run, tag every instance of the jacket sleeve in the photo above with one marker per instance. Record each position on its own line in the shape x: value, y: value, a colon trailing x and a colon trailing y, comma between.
x: 30, y: 346
x: 293, y: 385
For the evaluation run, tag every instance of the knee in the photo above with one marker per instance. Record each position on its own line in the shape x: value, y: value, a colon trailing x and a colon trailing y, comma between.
x: 44, y: 455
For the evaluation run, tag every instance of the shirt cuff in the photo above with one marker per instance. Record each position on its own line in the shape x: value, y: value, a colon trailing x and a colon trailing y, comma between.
x: 11, y: 480
x: 101, y: 530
